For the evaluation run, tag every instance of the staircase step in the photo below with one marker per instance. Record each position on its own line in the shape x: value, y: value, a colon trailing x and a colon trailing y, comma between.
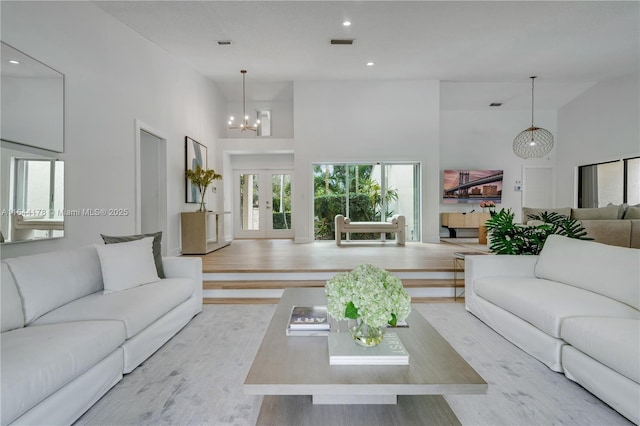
x: 270, y: 284
x: 274, y: 301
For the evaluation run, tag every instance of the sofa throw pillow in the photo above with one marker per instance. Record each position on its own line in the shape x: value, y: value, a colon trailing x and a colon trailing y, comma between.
x: 127, y: 265
x: 632, y: 213
x: 157, y: 248
x: 601, y: 213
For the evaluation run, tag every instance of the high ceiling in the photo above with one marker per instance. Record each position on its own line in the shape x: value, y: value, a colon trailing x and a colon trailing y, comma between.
x: 496, y: 45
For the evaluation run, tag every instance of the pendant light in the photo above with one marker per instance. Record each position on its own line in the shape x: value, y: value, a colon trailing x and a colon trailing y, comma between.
x: 244, y: 123
x: 534, y: 142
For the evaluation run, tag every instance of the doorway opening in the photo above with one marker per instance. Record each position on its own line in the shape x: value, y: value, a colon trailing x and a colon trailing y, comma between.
x: 151, y: 181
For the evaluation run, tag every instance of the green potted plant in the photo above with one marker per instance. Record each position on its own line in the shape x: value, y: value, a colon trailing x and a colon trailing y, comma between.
x: 508, y: 237
x: 202, y: 178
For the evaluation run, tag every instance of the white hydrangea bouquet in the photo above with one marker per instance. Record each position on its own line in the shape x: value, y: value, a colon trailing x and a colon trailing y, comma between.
x: 371, y: 295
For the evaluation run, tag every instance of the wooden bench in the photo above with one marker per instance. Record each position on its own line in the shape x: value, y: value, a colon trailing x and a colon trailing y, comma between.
x: 395, y: 225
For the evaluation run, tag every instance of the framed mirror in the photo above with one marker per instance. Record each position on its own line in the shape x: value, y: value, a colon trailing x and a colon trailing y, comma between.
x: 32, y: 99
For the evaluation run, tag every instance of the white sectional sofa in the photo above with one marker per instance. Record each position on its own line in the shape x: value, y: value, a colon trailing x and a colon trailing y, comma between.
x: 575, y: 307
x: 66, y: 342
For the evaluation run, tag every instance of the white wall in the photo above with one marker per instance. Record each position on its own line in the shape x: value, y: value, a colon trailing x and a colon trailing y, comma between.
x: 479, y: 140
x: 338, y: 121
x: 602, y: 124
x: 113, y: 77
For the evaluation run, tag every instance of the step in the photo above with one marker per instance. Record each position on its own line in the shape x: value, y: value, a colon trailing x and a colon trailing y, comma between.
x: 280, y: 284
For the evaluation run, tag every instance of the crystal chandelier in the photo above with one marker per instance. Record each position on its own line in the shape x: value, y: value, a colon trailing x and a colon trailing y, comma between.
x: 244, y: 124
x: 534, y: 142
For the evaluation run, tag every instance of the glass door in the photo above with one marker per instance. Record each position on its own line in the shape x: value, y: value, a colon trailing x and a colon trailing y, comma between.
x: 263, y: 204
x: 366, y: 192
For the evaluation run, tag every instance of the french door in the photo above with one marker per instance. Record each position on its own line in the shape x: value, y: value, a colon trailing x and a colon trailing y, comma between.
x: 262, y: 204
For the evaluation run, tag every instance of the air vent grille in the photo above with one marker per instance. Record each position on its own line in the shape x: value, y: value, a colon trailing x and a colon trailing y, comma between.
x: 342, y: 41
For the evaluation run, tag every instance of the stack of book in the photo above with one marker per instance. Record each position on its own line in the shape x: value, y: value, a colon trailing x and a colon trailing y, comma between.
x: 344, y: 351
x: 308, y: 321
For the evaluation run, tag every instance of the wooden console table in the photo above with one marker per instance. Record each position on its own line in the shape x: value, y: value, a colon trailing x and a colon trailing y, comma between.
x: 202, y: 232
x: 463, y: 220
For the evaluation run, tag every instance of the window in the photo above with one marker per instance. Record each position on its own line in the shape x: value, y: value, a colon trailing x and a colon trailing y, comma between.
x: 366, y: 192
x: 613, y: 182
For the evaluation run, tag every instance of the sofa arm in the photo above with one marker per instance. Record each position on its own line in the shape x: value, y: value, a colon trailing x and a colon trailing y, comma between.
x: 499, y: 265
x: 184, y: 267
x: 476, y: 267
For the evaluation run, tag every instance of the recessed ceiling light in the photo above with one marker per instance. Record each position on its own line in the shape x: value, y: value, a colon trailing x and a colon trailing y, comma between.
x: 13, y: 61
x: 346, y: 24
x: 370, y: 64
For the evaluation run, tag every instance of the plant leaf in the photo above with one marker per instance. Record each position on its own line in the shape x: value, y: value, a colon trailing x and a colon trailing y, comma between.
x: 394, y: 320
x: 351, y: 311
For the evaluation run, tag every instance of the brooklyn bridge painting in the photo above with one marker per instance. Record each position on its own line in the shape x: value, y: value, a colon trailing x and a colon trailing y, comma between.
x: 472, y: 186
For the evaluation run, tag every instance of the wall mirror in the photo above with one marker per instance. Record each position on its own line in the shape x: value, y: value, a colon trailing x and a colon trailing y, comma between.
x: 31, y: 194
x: 32, y: 101
x: 32, y: 133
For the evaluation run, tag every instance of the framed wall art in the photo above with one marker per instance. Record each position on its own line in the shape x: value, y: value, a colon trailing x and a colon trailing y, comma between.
x: 195, y: 155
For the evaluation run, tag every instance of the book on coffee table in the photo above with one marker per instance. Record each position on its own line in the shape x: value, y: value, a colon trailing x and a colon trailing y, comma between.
x: 309, y: 318
x: 344, y: 351
x: 305, y: 333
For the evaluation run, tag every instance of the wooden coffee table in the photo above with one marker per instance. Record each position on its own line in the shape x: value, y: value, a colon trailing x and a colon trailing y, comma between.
x: 300, y: 386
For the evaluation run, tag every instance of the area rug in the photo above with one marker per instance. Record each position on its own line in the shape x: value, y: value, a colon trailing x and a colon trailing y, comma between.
x: 197, y: 377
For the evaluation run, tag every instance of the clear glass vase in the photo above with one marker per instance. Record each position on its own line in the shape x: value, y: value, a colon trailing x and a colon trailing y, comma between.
x: 203, y: 207
x: 365, y: 335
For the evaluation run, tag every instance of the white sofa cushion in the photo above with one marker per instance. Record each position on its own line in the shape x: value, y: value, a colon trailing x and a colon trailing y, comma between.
x: 545, y: 304
x: 127, y: 265
x: 604, y: 269
x: 11, y: 304
x: 39, y: 360
x: 49, y: 280
x: 138, y: 307
x: 615, y: 342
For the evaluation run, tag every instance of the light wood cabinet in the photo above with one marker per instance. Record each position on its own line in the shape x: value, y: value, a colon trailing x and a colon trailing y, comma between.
x: 463, y: 220
x: 202, y: 232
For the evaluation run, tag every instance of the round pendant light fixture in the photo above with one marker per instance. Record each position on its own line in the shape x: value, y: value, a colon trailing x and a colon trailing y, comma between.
x: 534, y: 142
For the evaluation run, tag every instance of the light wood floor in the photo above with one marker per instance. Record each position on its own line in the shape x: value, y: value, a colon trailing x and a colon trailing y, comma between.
x: 286, y: 256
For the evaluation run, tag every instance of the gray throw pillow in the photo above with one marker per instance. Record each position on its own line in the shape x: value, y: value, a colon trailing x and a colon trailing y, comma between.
x: 156, y: 246
x: 621, y: 209
x: 632, y: 213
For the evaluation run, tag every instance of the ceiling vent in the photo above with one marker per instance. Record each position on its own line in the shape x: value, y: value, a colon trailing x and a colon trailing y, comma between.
x: 341, y: 41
